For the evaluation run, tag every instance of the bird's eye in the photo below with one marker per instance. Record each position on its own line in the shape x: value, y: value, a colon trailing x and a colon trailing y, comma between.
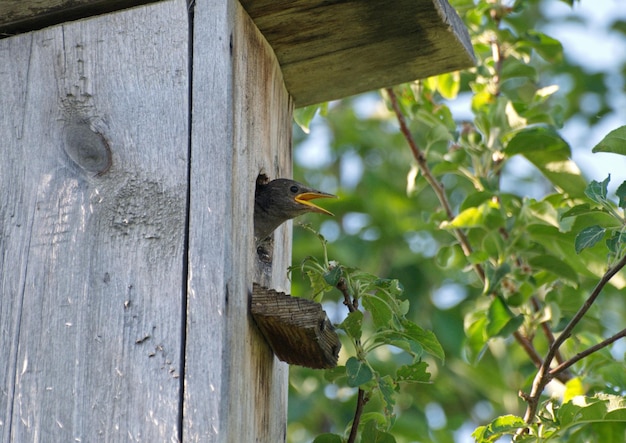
x: 294, y: 189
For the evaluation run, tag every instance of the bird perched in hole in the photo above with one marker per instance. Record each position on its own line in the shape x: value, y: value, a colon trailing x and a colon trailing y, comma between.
x: 281, y: 200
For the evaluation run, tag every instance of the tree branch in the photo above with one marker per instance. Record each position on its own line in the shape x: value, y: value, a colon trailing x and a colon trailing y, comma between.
x: 351, y: 303
x: 360, y: 402
x: 544, y: 374
x: 546, y: 329
x: 529, y: 348
x: 443, y: 199
x: 437, y: 187
x: 603, y: 344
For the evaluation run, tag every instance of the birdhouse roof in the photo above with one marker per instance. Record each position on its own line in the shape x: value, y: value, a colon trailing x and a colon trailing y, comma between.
x: 327, y: 49
x: 332, y: 49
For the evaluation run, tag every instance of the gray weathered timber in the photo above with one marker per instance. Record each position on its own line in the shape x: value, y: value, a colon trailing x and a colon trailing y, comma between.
x: 126, y: 230
x: 91, y: 281
x: 235, y: 389
x: 17, y: 16
x: 327, y: 50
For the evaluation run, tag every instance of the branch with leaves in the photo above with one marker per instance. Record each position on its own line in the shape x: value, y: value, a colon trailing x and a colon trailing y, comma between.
x: 376, y: 317
x: 586, y: 238
x: 538, y: 260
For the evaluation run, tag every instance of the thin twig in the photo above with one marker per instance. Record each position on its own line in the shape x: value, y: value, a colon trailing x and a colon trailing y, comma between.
x: 437, y: 187
x: 544, y: 374
x: 351, y: 303
x: 360, y: 402
x: 529, y: 348
x: 603, y: 344
x: 443, y: 199
x: 546, y: 329
x: 567, y: 331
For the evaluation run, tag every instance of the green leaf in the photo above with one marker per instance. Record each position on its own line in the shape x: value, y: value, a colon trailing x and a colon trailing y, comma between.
x: 600, y: 408
x: 353, y: 324
x: 519, y: 89
x: 358, y: 372
x: 449, y: 84
x: 334, y: 374
x: 597, y: 191
x: 399, y: 340
x: 486, y: 215
x: 504, y: 425
x: 378, y: 418
x: 556, y: 266
x: 333, y: 275
x: 328, y: 438
x: 545, y: 149
x: 539, y: 138
x: 413, y: 373
x: 387, y: 389
x: 371, y: 434
x: 560, y: 170
x: 616, y: 241
x: 512, y: 67
x: 573, y: 388
x: 476, y: 342
x: 501, y: 322
x: 303, y: 116
x: 550, y: 49
x: 614, y: 142
x: 493, y: 276
x: 621, y: 193
x: 391, y: 285
x: 588, y: 237
x: 313, y: 270
x: 426, y: 339
x: 380, y: 310
x: 584, y: 208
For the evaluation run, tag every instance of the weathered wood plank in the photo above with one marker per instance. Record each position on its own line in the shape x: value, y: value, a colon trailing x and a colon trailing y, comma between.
x: 329, y: 50
x: 297, y: 329
x: 18, y: 16
x: 91, y: 279
x: 235, y: 389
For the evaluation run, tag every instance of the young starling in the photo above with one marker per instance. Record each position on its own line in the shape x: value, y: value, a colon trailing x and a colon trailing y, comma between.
x: 281, y: 200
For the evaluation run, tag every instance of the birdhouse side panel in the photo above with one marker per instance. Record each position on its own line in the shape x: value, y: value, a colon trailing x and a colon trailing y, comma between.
x: 94, y: 139
x: 241, y: 126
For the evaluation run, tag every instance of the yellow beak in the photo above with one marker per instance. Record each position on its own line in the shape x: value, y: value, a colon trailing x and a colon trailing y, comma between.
x: 306, y: 197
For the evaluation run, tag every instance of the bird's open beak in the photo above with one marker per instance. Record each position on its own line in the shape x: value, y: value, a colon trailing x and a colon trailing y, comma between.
x: 306, y: 197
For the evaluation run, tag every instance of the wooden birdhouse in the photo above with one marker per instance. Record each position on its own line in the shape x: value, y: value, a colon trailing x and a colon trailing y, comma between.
x: 131, y: 139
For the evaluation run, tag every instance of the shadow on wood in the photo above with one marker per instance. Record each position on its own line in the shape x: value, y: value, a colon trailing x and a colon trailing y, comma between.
x: 297, y: 329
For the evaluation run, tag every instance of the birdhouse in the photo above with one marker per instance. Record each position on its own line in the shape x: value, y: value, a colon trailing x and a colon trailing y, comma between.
x: 131, y: 142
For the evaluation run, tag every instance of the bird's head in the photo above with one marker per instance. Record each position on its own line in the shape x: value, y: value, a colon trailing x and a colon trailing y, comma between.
x: 281, y: 200
x: 290, y: 198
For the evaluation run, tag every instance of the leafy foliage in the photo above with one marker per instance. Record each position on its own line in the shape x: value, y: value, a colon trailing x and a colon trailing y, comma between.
x: 603, y: 417
x: 385, y: 325
x: 504, y: 250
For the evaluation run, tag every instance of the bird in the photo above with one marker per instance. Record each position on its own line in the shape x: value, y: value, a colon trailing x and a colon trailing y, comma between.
x: 280, y: 200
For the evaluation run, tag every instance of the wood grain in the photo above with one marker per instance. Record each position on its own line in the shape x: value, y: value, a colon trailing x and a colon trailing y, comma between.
x: 297, y: 329
x: 130, y: 151
x: 235, y: 389
x: 329, y: 50
x: 90, y: 265
x: 19, y: 16
x: 326, y: 49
